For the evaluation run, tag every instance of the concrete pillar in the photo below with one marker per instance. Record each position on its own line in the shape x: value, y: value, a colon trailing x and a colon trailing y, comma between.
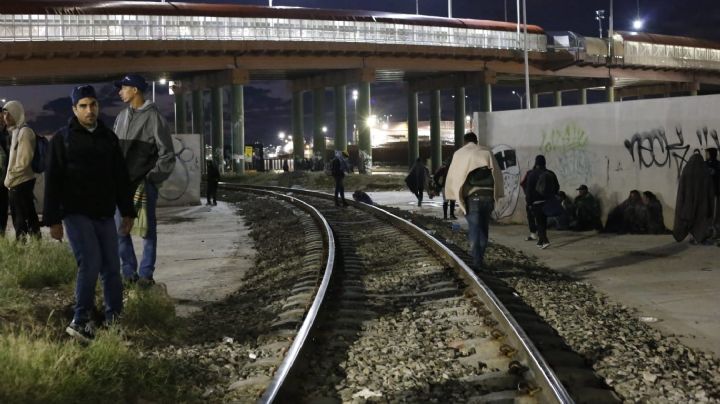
x: 583, y: 96
x: 435, y: 141
x: 180, y: 113
x: 558, y: 98
x: 238, y: 129
x: 487, y: 98
x: 297, y: 127
x: 318, y: 123
x: 364, y: 140
x: 610, y: 92
x: 340, y: 118
x: 459, y: 117
x: 534, y: 100
x: 412, y: 124
x: 198, y: 123
x: 217, y: 127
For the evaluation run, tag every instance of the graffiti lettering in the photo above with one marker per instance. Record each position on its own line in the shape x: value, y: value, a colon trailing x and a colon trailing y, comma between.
x: 702, y: 135
x: 572, y: 137
x: 566, y: 146
x: 653, y: 149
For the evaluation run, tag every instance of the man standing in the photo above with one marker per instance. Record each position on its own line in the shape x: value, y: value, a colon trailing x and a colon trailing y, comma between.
x: 713, y: 165
x: 148, y: 151
x: 86, y: 179
x: 4, y: 152
x: 541, y: 185
x: 337, y: 169
x: 475, y: 180
x: 20, y: 178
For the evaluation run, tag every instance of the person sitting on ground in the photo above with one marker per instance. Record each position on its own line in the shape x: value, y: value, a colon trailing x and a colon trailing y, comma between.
x: 628, y: 217
x: 656, y: 222
x: 565, y: 218
x: 360, y: 196
x: 587, y: 211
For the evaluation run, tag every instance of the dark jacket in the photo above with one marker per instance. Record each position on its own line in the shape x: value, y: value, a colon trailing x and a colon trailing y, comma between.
x: 4, y: 153
x: 531, y: 194
x: 693, y: 206
x: 337, y: 169
x: 213, y: 174
x: 89, y: 177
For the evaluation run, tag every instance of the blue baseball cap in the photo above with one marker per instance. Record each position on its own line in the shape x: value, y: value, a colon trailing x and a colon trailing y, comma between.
x: 132, y: 80
x: 80, y: 92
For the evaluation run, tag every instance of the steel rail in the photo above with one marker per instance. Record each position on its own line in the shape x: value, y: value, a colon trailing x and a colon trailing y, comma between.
x: 293, y: 352
x: 551, y: 388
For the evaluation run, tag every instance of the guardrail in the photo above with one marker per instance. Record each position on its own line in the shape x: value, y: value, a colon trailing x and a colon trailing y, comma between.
x: 83, y: 27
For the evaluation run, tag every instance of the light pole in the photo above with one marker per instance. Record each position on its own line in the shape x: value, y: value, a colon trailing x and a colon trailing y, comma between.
x: 355, y: 98
x: 417, y: 8
x: 449, y: 8
x: 527, y: 64
x: 599, y: 16
x: 638, y: 23
x: 520, y: 97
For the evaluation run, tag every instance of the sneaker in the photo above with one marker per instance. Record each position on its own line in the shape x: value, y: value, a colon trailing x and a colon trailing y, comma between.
x: 531, y: 237
x: 544, y: 245
x: 453, y: 217
x: 81, y: 332
x: 145, y: 282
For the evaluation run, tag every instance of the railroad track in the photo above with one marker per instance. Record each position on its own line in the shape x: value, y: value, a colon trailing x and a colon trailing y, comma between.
x: 385, y: 312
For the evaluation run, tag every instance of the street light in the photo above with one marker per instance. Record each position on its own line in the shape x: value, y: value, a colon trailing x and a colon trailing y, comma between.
x: 281, y: 135
x: 638, y: 23
x: 599, y: 16
x: 355, y: 98
x: 324, y: 129
x: 520, y: 97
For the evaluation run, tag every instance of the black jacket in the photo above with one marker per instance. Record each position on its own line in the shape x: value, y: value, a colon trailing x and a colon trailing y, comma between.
x: 531, y: 194
x: 89, y: 177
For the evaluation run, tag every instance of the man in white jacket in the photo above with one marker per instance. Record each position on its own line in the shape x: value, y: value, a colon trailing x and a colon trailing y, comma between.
x: 20, y: 178
x: 475, y: 180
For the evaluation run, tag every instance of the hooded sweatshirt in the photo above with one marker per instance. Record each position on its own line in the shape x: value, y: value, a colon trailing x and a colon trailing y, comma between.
x: 22, y: 147
x: 145, y: 143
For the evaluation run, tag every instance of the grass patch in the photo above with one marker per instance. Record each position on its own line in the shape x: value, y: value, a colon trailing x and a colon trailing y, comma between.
x: 36, y: 369
x: 149, y: 309
x: 35, y: 264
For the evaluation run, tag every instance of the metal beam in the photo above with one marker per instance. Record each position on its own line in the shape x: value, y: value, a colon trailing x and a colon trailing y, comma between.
x: 655, y: 89
x: 567, y: 85
x: 231, y: 77
x: 453, y: 80
x: 332, y: 79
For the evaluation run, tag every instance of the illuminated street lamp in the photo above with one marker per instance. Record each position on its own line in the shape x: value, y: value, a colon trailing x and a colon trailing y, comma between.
x: 599, y: 16
x: 371, y: 120
x: 281, y: 135
x: 355, y: 98
x: 324, y: 129
x: 638, y: 23
x: 520, y: 97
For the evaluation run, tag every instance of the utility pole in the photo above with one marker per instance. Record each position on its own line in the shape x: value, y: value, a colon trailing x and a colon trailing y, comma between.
x: 449, y: 8
x: 527, y: 67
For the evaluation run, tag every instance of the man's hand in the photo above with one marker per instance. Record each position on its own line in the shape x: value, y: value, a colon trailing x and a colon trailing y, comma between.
x: 56, y: 231
x: 126, y: 225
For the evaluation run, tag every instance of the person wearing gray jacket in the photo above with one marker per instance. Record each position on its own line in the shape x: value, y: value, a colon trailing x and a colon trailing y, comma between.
x: 148, y: 150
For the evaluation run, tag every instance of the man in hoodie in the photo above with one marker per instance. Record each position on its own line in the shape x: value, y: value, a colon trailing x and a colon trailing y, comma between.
x: 4, y: 153
x: 20, y: 178
x: 148, y: 151
x: 475, y: 180
x: 86, y: 179
x: 541, y: 188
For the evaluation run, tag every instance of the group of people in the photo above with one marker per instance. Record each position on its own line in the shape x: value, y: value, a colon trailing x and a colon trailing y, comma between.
x: 101, y: 183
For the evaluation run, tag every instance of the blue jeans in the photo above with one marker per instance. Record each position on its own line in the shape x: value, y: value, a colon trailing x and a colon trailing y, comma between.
x: 478, y: 218
x: 94, y: 244
x: 125, y: 244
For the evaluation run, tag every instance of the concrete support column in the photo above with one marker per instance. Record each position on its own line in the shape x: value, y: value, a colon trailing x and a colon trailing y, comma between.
x: 487, y: 98
x: 534, y: 100
x: 297, y: 127
x: 459, y: 117
x: 217, y: 127
x: 180, y: 113
x: 340, y: 118
x: 238, y: 129
x: 610, y: 91
x: 583, y: 96
x: 435, y: 141
x: 318, y: 123
x: 558, y: 98
x: 412, y: 124
x: 364, y: 141
x: 198, y: 123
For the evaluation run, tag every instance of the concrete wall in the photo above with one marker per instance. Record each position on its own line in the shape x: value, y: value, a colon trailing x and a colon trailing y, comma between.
x: 611, y: 147
x: 183, y: 186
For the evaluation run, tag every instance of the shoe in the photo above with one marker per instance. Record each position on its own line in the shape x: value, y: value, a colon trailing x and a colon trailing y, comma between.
x: 145, y: 282
x: 215, y: 203
x: 453, y: 217
x: 131, y: 279
x: 81, y: 332
x: 531, y: 237
x: 544, y: 245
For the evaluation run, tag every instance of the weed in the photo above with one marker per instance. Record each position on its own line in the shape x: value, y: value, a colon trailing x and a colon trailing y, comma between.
x: 35, y: 264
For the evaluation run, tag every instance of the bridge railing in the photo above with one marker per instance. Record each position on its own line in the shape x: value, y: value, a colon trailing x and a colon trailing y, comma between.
x: 35, y: 27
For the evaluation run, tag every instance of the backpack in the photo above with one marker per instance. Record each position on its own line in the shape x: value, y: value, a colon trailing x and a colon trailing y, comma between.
x: 547, y: 184
x: 480, y: 177
x: 39, y: 160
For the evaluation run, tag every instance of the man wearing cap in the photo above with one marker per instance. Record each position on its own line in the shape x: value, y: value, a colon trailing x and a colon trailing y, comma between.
x: 587, y: 210
x: 86, y: 180
x: 475, y: 180
x: 148, y: 150
x: 20, y: 178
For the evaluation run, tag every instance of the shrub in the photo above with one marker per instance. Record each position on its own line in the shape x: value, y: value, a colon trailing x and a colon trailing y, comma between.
x: 35, y: 263
x: 149, y: 308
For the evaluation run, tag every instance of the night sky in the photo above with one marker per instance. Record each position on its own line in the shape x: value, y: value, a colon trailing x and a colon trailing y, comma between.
x: 49, y: 106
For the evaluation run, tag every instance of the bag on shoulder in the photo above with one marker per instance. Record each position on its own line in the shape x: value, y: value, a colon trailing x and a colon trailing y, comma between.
x: 480, y: 177
x: 547, y: 184
x: 39, y: 160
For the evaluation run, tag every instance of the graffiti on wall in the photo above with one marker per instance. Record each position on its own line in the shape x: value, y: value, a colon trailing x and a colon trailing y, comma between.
x: 183, y: 185
x: 565, y: 149
x: 655, y: 149
x: 507, y: 159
